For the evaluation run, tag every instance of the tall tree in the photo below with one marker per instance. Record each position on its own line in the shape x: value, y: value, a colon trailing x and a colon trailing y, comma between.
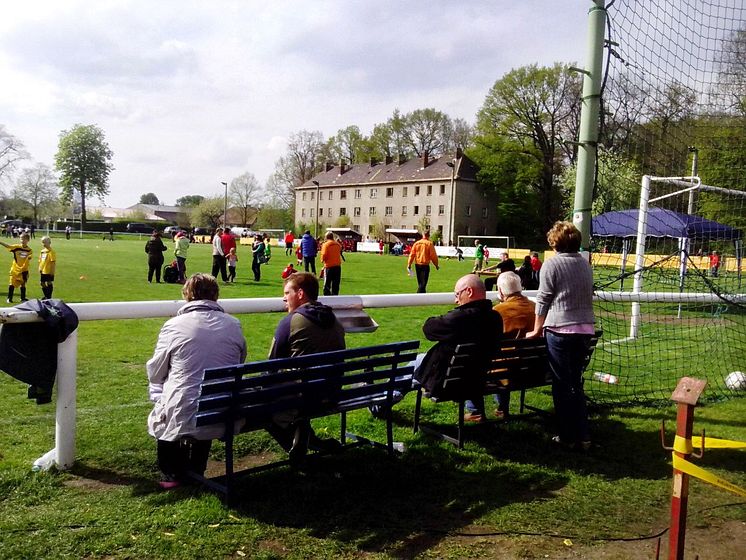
x: 462, y: 135
x: 37, y: 186
x: 300, y: 162
x: 245, y: 196
x: 149, y: 198
x: 428, y: 130
x: 189, y: 200
x: 348, y: 144
x: 732, y: 76
x: 537, y: 107
x: 11, y: 151
x: 208, y: 212
x: 84, y: 161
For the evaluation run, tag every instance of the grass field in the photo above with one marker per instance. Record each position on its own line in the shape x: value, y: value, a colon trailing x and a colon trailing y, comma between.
x: 508, y: 494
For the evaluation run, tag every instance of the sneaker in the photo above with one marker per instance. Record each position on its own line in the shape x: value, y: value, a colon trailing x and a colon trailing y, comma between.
x: 8, y: 300
x: 24, y: 299
x: 583, y: 446
x: 473, y: 417
x: 168, y: 482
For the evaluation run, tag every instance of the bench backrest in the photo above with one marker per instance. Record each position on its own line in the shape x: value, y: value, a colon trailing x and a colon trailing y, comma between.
x: 311, y: 385
x: 517, y: 364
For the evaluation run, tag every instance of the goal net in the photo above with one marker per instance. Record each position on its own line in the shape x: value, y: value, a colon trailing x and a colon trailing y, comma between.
x: 670, y: 201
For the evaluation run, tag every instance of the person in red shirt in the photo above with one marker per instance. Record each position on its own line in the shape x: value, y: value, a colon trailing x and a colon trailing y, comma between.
x: 289, y: 238
x: 227, y: 242
x: 714, y: 264
x: 535, y: 267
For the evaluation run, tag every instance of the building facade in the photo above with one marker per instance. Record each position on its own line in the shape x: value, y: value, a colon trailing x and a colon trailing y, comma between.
x: 441, y: 194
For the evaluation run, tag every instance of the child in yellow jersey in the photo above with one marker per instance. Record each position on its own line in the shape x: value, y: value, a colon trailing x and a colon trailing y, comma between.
x: 47, y: 265
x: 19, y: 267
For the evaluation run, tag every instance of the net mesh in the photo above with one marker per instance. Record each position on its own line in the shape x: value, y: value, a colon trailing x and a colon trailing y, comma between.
x: 673, y: 105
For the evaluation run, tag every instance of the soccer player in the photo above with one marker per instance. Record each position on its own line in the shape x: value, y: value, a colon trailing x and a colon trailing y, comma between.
x: 47, y: 265
x: 19, y: 267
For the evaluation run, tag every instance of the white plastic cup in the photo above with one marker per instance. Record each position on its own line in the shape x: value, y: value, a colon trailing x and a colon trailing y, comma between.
x: 605, y: 377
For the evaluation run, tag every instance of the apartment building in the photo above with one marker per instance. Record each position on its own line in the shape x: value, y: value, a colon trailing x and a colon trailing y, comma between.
x: 442, y: 192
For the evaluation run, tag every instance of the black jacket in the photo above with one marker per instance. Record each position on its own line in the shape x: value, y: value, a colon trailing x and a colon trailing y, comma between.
x: 154, y: 247
x: 28, y: 351
x: 474, y: 322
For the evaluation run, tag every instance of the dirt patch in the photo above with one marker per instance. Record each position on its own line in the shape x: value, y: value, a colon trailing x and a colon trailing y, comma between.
x: 92, y: 484
x: 688, y: 321
x: 217, y: 468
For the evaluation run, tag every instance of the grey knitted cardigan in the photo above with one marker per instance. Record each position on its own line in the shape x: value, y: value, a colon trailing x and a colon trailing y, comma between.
x: 565, y: 291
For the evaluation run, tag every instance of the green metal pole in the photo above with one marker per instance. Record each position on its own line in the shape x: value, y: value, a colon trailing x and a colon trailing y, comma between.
x: 589, y: 122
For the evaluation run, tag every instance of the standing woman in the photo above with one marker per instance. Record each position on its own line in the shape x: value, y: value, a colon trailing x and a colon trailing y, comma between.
x: 564, y: 311
x: 257, y: 256
x: 154, y: 247
x: 180, y: 252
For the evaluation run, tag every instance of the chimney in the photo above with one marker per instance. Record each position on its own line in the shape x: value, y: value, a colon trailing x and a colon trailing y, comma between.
x: 342, y: 166
x: 328, y: 166
x: 459, y: 153
x: 389, y: 160
x: 402, y: 159
x: 425, y: 159
x: 373, y: 161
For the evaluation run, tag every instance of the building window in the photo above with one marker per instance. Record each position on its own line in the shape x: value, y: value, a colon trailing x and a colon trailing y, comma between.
x: 417, y: 191
x: 429, y: 190
x: 468, y: 209
x: 404, y: 191
x: 311, y: 212
x: 331, y: 195
x: 403, y: 210
x: 303, y: 196
x: 389, y: 192
x: 343, y: 195
x: 416, y: 210
x: 358, y: 193
x: 356, y: 211
x: 321, y: 196
x: 389, y: 210
x: 374, y: 193
x: 313, y: 195
x: 441, y: 209
x: 442, y: 189
x: 321, y: 212
x: 428, y: 210
x: 484, y: 212
x: 372, y: 211
x: 302, y: 212
x: 329, y: 212
x: 356, y: 227
x: 343, y: 211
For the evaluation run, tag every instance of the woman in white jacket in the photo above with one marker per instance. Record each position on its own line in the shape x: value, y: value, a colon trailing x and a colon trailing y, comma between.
x: 201, y: 336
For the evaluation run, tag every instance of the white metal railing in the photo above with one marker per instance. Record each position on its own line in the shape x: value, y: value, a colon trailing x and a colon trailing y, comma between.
x: 63, y: 454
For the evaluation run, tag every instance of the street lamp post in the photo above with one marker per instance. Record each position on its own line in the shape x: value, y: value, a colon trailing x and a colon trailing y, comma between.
x: 316, y: 227
x: 452, y: 211
x: 225, y: 204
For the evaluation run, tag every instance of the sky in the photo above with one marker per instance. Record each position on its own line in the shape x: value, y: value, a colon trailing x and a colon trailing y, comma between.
x: 192, y: 93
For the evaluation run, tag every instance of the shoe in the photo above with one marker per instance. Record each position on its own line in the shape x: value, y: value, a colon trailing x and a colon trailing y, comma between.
x: 168, y: 482
x: 582, y: 446
x: 324, y: 445
x: 8, y: 300
x: 299, y: 448
x: 24, y: 299
x: 501, y: 415
x: 473, y: 417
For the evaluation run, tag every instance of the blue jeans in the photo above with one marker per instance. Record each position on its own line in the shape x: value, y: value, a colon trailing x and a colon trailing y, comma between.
x: 566, y: 354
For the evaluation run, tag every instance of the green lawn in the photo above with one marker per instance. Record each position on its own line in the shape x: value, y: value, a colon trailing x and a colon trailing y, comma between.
x: 362, y: 504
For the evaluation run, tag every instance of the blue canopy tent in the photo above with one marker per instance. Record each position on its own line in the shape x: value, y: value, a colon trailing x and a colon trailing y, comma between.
x: 665, y: 223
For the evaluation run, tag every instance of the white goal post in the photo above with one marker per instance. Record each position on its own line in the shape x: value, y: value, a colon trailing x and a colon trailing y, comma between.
x: 500, y: 241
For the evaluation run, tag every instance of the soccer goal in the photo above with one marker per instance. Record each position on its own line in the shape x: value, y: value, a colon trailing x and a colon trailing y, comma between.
x: 494, y: 241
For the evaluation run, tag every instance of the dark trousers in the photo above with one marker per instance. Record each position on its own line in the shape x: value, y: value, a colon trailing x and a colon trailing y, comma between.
x: 218, y: 265
x: 309, y: 261
x: 256, y: 268
x: 288, y: 249
x: 423, y: 275
x: 332, y: 278
x: 177, y: 457
x: 181, y: 267
x: 490, y: 282
x: 566, y: 353
x: 154, y: 267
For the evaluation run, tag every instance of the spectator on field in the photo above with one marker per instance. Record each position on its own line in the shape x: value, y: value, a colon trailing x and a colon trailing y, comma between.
x: 505, y: 264
x: 331, y: 260
x: 227, y: 242
x: 472, y: 321
x: 309, y: 327
x: 714, y: 264
x: 289, y: 269
x: 201, y: 336
x: 517, y: 313
x: 154, y: 248
x: 257, y: 257
x: 536, y: 266
x: 526, y: 274
x: 181, y: 247
x: 478, y: 255
x: 422, y: 254
x: 564, y: 315
x: 218, y: 256
x: 267, y: 249
x: 309, y: 249
x: 232, y: 260
x: 289, y: 238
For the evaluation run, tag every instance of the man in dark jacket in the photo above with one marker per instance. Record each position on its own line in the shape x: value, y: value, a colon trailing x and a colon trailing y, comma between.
x: 309, y: 248
x: 309, y: 327
x: 473, y: 321
x: 154, y: 247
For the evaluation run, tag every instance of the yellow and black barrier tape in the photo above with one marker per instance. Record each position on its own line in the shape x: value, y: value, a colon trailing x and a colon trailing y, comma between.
x: 683, y: 445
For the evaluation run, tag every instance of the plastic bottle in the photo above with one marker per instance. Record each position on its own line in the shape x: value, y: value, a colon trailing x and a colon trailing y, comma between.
x: 605, y: 377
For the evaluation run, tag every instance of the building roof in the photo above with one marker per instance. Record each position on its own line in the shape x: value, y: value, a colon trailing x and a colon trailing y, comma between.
x: 414, y: 170
x: 153, y: 208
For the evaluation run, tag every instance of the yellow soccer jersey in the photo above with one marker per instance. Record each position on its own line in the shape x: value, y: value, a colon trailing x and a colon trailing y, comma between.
x: 47, y: 261
x: 21, y: 258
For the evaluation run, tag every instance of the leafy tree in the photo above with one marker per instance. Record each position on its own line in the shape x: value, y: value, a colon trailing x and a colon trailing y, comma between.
x: 348, y: 144
x: 428, y: 130
x: 149, y: 198
x: 11, y: 151
x: 274, y: 216
x: 462, y: 135
x: 732, y: 76
x: 343, y: 222
x: 300, y: 162
x: 189, y: 200
x: 208, y: 212
x: 537, y: 109
x: 37, y: 186
x: 83, y: 160
x: 390, y: 138
x: 244, y: 195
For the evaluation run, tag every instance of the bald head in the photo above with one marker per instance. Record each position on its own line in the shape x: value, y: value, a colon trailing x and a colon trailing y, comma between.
x: 469, y: 288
